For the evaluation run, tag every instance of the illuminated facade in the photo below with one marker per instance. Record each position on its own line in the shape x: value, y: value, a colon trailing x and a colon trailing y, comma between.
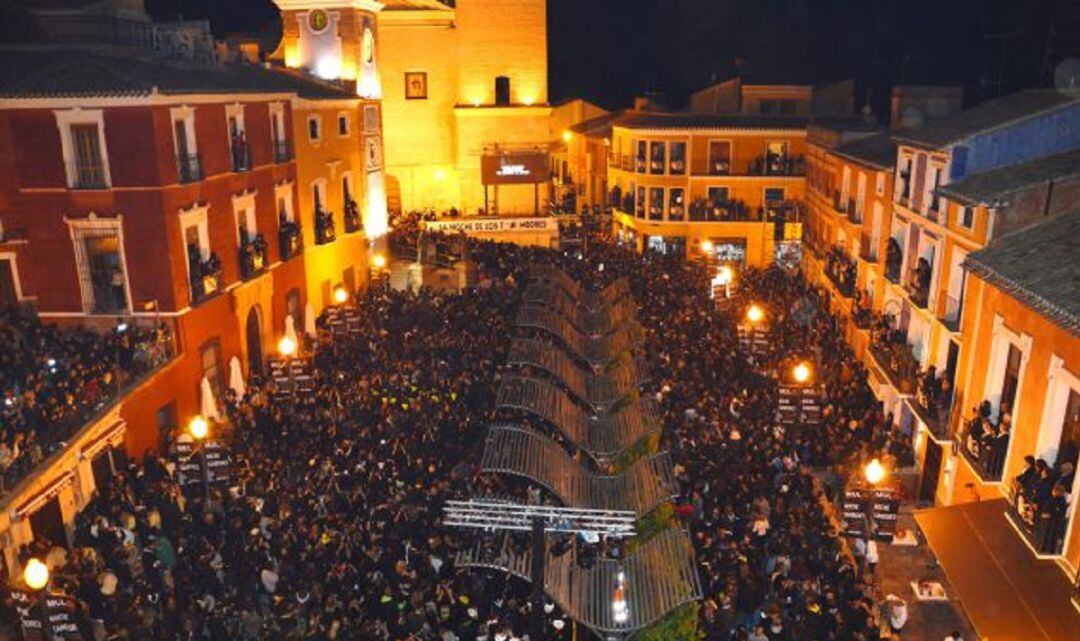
x: 677, y: 180
x: 959, y: 236
x: 459, y: 84
x: 337, y: 40
x: 182, y: 197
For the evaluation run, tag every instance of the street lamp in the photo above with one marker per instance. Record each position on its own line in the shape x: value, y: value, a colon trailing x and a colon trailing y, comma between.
x: 801, y: 372
x: 286, y: 346
x: 378, y: 261
x: 198, y: 428
x: 874, y: 472
x: 36, y: 574
x: 754, y: 314
x: 567, y: 135
x: 341, y: 295
x: 707, y: 246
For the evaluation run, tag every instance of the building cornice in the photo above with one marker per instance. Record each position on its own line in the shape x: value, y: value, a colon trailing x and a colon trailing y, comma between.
x: 307, y: 5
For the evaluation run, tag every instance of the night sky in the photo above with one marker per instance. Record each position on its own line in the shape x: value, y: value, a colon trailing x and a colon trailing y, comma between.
x: 611, y: 50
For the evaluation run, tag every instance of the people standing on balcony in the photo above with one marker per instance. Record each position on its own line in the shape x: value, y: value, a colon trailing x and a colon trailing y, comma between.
x: 894, y: 257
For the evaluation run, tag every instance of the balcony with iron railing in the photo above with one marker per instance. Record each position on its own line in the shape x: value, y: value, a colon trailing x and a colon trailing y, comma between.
x: 190, y: 168
x: 841, y: 271
x: 352, y: 220
x: 918, y: 284
x: 1041, y: 517
x: 776, y: 165
x: 205, y: 278
x: 893, y: 356
x: 90, y: 375
x: 87, y: 174
x: 854, y: 212
x: 290, y: 239
x: 951, y: 317
x: 324, y: 227
x: 720, y: 167
x: 984, y: 444
x: 241, y: 156
x: 253, y: 257
x: 894, y: 261
x: 868, y: 249
x: 283, y: 152
x: 932, y: 402
x: 717, y: 211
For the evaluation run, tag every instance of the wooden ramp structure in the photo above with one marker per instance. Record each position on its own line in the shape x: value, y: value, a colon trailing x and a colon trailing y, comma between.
x: 659, y: 577
x: 602, y: 436
x: 645, y: 484
x: 598, y: 390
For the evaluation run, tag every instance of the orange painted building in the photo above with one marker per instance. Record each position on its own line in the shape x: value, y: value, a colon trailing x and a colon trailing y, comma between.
x: 183, y: 197
x: 677, y: 180
x: 1022, y: 323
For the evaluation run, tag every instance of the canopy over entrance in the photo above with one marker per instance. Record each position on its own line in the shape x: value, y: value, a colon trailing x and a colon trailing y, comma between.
x: 1008, y: 593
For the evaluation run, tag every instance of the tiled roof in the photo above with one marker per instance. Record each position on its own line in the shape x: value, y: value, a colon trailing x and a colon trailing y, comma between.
x: 984, y: 117
x: 990, y: 186
x: 63, y: 72
x: 651, y: 120
x: 1039, y: 266
x: 597, y: 126
x: 878, y: 150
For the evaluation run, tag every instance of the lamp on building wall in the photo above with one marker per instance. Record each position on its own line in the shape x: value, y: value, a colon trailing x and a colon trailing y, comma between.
x: 341, y: 295
x: 707, y: 246
x: 378, y: 261
x: 567, y: 135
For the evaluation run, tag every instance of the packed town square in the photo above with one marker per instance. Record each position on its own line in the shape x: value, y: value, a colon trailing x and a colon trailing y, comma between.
x: 539, y: 320
x: 330, y: 527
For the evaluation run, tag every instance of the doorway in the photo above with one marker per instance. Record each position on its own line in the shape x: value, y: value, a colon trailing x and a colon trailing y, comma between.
x: 254, y: 342
x: 931, y: 471
x: 47, y: 524
x: 8, y: 294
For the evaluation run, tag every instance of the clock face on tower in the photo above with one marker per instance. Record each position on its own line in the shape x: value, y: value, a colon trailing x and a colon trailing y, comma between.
x: 367, y: 46
x: 318, y: 20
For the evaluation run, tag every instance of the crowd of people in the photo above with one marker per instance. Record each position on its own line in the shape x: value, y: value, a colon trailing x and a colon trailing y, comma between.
x: 1041, y: 496
x: 329, y: 527
x: 53, y: 379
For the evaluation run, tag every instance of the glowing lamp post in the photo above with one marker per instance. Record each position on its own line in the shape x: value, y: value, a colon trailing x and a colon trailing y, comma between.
x: 802, y: 373
x: 36, y: 575
x: 378, y: 261
x: 287, y: 347
x: 874, y: 472
x: 198, y: 428
x: 707, y: 247
x: 754, y: 314
x: 341, y: 295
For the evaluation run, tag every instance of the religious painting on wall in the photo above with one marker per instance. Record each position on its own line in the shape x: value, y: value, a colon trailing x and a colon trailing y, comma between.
x: 416, y: 85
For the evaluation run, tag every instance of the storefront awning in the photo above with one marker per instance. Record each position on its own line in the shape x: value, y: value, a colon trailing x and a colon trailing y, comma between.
x: 1008, y: 593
